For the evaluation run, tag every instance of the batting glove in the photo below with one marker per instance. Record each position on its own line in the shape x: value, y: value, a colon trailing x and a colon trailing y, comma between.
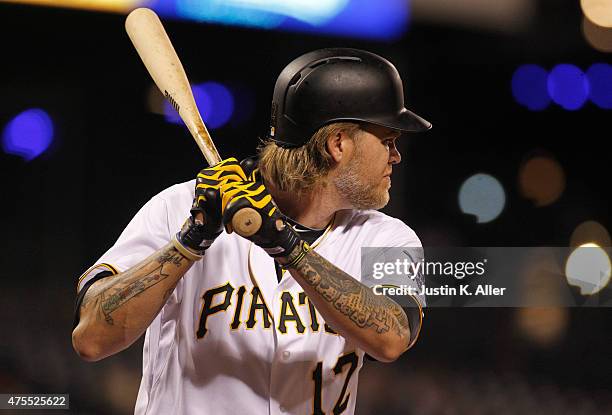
x: 205, y: 223
x: 275, y: 235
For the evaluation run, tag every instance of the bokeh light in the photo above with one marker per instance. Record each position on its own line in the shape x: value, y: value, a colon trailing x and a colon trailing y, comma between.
x: 115, y: 6
x: 542, y: 180
x: 529, y: 87
x: 29, y: 134
x: 590, y: 232
x: 359, y: 18
x: 588, y: 267
x: 383, y: 20
x: 483, y: 196
x: 598, y: 11
x: 600, y: 38
x: 600, y: 80
x: 539, y: 279
x: 544, y: 326
x: 217, y: 106
x: 387, y: 19
x: 203, y: 102
x: 568, y: 86
x: 215, y: 102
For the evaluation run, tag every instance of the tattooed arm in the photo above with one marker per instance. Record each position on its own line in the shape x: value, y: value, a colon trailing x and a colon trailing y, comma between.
x: 117, y: 310
x: 375, y: 323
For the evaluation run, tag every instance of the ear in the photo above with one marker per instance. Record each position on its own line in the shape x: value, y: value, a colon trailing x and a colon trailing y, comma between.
x: 339, y: 146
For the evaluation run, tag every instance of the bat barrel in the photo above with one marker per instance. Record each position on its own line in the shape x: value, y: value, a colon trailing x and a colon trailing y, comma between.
x: 161, y: 60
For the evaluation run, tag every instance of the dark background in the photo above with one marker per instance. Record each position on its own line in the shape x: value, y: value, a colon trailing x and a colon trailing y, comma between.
x: 111, y: 154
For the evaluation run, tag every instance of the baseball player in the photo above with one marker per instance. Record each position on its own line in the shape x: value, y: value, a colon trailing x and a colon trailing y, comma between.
x: 277, y: 322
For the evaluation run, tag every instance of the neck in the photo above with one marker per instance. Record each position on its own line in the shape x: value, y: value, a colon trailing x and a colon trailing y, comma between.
x: 314, y: 209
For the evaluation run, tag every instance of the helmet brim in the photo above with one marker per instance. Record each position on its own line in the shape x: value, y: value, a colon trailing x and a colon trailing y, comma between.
x: 406, y: 121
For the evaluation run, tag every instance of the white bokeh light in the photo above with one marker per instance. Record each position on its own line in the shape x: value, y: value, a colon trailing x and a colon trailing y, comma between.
x: 598, y: 11
x: 588, y: 267
x: 483, y: 196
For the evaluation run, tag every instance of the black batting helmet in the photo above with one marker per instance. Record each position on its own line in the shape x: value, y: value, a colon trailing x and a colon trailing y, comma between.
x: 338, y: 84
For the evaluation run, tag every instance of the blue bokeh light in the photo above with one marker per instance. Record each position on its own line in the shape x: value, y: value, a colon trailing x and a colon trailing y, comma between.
x: 214, y: 11
x: 218, y: 108
x: 600, y: 80
x: 215, y: 102
x: 386, y: 20
x: 29, y: 134
x: 568, y: 86
x: 529, y: 87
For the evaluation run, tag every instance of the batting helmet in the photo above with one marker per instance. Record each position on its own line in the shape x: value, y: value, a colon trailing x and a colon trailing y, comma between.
x: 338, y: 84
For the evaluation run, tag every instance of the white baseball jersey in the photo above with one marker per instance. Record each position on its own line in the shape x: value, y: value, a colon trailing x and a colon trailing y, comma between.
x: 222, y: 345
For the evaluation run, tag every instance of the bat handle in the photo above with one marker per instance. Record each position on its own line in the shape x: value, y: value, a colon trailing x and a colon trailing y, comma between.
x: 246, y: 222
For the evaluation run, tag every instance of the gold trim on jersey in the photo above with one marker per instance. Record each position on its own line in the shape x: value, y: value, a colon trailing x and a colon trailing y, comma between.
x: 421, y: 314
x: 256, y: 284
x: 321, y: 238
x: 252, y: 274
x: 109, y: 267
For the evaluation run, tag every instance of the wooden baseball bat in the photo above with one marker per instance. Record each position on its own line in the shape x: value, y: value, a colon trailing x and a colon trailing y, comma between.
x: 157, y: 53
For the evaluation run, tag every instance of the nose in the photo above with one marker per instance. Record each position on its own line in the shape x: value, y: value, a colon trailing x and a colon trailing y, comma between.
x: 394, y: 155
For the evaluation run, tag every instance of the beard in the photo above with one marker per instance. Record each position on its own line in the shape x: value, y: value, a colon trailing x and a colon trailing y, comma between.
x: 351, y: 184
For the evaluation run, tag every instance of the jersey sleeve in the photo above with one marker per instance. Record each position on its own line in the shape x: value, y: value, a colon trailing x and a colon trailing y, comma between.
x: 148, y: 231
x: 390, y: 235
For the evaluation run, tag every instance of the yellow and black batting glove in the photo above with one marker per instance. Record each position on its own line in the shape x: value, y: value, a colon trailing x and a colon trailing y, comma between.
x: 205, y: 222
x: 275, y: 235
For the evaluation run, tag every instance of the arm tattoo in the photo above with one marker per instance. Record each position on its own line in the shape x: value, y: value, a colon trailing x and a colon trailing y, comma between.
x: 351, y: 298
x: 113, y: 294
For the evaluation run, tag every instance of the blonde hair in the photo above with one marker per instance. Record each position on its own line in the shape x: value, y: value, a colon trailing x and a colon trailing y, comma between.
x: 297, y: 170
